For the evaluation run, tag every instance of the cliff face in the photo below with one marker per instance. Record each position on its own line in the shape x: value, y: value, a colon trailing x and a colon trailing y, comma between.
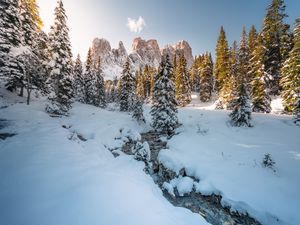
x: 144, y: 52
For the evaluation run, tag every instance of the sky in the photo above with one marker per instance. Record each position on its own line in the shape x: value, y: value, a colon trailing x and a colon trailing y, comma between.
x: 167, y: 21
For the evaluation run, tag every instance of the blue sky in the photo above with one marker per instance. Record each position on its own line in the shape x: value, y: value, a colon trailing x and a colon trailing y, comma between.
x: 197, y: 21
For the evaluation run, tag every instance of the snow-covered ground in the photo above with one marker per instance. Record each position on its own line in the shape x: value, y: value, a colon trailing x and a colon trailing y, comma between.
x: 49, y: 176
x: 228, y: 161
x: 48, y: 179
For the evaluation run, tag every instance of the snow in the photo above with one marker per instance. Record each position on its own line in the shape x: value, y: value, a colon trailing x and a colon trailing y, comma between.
x: 50, y: 176
x: 227, y: 161
x: 48, y: 179
x: 184, y: 185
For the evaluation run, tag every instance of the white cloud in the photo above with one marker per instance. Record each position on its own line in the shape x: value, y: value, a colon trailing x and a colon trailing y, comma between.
x: 136, y: 26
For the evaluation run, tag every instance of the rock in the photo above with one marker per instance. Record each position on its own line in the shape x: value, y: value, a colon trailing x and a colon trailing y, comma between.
x: 178, y: 49
x: 144, y: 52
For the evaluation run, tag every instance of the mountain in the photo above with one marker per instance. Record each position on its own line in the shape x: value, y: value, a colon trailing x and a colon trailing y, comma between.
x: 143, y: 52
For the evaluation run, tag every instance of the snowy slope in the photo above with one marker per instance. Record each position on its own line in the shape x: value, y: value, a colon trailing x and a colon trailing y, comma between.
x: 48, y: 179
x: 227, y: 161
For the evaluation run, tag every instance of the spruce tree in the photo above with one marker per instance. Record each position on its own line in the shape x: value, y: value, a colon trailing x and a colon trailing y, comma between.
x: 243, y: 61
x: 183, y: 89
x: 195, y: 74
x: 206, y: 79
x: 10, y: 38
x: 79, y: 82
x: 127, y: 89
x: 100, y: 99
x: 290, y: 80
x: 61, y: 64
x: 138, y: 111
x: 222, y: 70
x: 90, y: 80
x: 272, y: 32
x: 241, y: 114
x: 252, y: 39
x: 163, y: 110
x: 140, y: 84
x: 261, y: 101
x: 229, y: 93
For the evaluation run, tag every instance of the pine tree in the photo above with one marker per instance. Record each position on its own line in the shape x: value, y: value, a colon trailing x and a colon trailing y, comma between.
x: 272, y: 31
x: 290, y: 80
x: 127, y: 89
x: 243, y: 61
x: 241, y: 114
x: 140, y: 84
x: 31, y: 21
x: 252, y: 39
x: 183, y: 90
x: 61, y: 64
x: 222, y: 70
x: 206, y: 79
x: 90, y: 80
x: 10, y: 38
x: 79, y: 81
x: 163, y: 110
x: 261, y: 101
x: 138, y: 111
x: 100, y: 100
x: 229, y: 93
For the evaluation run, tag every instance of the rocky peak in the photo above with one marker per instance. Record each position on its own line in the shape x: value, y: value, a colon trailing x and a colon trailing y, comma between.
x: 178, y: 49
x: 100, y: 47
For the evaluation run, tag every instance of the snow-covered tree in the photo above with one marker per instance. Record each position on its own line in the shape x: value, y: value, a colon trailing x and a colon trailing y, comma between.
x: 138, y: 111
x: 127, y: 89
x: 261, y: 101
x: 79, y: 85
x: 60, y: 64
x: 182, y: 83
x: 10, y: 37
x: 290, y: 81
x: 243, y: 61
x: 272, y: 31
x: 163, y: 110
x: 100, y: 99
x: 222, y: 69
x: 206, y: 78
x: 241, y: 113
x: 90, y: 80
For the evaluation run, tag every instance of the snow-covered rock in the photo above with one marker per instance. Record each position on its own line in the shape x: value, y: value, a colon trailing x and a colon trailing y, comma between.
x: 143, y: 52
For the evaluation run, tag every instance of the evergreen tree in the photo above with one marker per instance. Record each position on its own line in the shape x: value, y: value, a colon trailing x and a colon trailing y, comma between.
x: 140, y: 84
x: 241, y: 114
x: 261, y: 101
x: 286, y: 41
x: 195, y: 73
x: 79, y: 81
x: 100, y: 95
x: 138, y: 111
x: 206, y: 79
x: 10, y: 38
x: 90, y: 80
x: 290, y: 80
x: 222, y: 70
x: 163, y: 110
x: 31, y: 21
x: 272, y: 31
x: 127, y: 89
x: 183, y: 90
x: 61, y: 64
x: 229, y: 93
x: 243, y: 61
x: 252, y: 39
